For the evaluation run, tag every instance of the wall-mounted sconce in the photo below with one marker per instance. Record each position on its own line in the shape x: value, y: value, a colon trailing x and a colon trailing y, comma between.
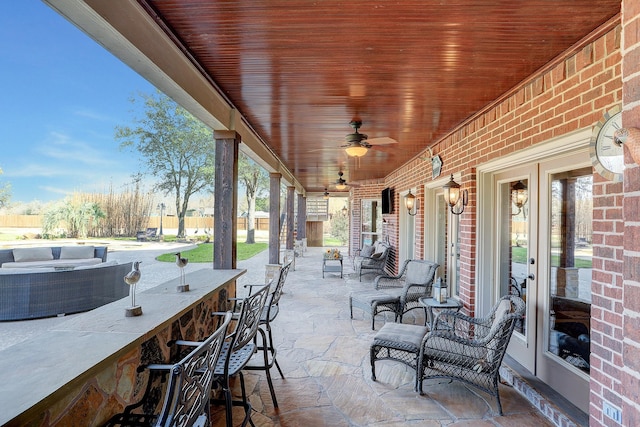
x: 519, y: 195
x: 345, y: 211
x: 410, y: 203
x: 326, y: 194
x: 452, y: 195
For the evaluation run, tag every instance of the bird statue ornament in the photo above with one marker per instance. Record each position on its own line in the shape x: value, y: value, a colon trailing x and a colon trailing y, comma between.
x: 131, y: 279
x: 182, y: 263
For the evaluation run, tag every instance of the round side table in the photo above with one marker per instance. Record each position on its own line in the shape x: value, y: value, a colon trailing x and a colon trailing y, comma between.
x: 431, y: 303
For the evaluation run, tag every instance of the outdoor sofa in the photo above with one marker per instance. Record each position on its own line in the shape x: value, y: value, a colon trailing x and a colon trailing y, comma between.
x: 31, y: 289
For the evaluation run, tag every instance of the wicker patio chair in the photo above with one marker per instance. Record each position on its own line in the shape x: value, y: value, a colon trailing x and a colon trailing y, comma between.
x: 269, y: 313
x: 398, y: 294
x: 470, y: 349
x: 460, y: 347
x: 186, y: 400
x: 375, y: 262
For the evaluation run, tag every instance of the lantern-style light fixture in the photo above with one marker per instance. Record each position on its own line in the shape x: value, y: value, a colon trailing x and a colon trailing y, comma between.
x: 345, y: 210
x: 410, y: 203
x: 519, y: 195
x: 325, y: 195
x: 454, y: 196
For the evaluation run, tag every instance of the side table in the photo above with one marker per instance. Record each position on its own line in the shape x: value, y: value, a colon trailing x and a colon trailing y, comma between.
x: 331, y: 268
x: 431, y: 303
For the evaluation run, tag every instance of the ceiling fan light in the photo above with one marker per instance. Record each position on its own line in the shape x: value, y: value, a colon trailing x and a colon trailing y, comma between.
x: 356, y: 150
x: 341, y: 186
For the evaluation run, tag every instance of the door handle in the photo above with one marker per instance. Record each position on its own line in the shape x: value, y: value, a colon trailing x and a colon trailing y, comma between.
x: 531, y: 276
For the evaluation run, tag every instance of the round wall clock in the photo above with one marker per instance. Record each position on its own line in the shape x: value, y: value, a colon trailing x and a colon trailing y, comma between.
x: 607, y: 156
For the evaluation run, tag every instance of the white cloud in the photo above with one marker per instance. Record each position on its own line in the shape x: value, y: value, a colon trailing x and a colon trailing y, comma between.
x: 35, y: 170
x: 55, y: 190
x: 93, y: 115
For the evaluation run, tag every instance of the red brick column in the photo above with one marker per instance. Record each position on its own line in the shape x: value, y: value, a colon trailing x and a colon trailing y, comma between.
x: 630, y: 374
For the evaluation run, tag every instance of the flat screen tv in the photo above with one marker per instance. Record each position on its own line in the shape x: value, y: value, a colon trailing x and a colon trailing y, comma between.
x: 387, y: 201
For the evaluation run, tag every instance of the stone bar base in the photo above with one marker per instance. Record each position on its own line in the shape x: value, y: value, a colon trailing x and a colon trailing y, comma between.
x: 84, y: 371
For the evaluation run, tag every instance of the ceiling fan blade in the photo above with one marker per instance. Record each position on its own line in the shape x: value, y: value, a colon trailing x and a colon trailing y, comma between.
x: 384, y: 140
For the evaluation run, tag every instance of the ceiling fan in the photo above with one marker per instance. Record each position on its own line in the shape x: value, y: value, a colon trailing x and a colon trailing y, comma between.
x: 340, y: 183
x: 359, y: 143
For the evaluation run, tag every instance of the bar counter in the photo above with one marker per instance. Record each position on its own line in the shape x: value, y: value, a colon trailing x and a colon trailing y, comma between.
x: 84, y: 369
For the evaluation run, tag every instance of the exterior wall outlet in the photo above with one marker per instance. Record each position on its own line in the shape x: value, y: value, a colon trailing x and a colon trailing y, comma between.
x: 612, y: 412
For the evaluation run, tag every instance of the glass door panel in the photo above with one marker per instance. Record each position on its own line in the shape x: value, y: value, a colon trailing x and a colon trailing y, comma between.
x: 371, y: 220
x: 570, y: 279
x: 565, y: 287
x: 516, y: 254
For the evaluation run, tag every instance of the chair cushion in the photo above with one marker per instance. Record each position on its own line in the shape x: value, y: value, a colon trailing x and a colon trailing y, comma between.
x: 366, y: 251
x: 76, y: 252
x: 503, y: 309
x: 401, y: 336
x: 32, y: 254
x: 369, y: 297
x: 419, y: 273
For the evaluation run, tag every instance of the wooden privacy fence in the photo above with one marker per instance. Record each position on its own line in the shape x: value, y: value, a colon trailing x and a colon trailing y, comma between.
x: 168, y: 222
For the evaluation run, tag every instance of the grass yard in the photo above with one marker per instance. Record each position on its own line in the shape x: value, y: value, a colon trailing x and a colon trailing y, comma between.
x: 519, y: 255
x: 204, y: 252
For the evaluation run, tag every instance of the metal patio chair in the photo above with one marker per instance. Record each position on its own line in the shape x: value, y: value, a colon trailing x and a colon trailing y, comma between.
x: 186, y: 399
x: 269, y: 313
x: 237, y: 351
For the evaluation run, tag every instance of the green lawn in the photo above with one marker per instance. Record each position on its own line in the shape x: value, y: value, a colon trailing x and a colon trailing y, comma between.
x: 519, y: 255
x: 331, y: 241
x: 204, y: 252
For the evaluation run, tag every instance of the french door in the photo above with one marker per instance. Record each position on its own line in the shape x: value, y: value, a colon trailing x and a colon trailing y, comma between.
x: 517, y: 252
x: 543, y: 254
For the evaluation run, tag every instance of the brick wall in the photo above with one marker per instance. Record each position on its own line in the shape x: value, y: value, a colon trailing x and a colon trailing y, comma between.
x: 570, y: 94
x: 626, y: 388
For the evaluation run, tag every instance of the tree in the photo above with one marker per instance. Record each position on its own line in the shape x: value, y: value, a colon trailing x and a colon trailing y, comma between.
x: 339, y: 224
x: 5, y: 194
x: 256, y: 182
x: 176, y: 147
x: 77, y: 218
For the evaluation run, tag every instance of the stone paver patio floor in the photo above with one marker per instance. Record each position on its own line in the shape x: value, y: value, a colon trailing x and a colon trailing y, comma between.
x: 325, y: 357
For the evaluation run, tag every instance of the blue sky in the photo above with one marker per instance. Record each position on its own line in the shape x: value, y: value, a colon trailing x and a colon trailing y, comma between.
x: 62, y: 95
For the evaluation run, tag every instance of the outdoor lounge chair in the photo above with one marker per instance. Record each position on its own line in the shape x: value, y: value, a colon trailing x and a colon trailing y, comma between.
x: 398, y: 294
x: 459, y: 347
x: 149, y: 234
x: 372, y: 259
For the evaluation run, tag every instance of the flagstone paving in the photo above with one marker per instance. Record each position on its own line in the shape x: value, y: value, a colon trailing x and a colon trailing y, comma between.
x: 325, y: 358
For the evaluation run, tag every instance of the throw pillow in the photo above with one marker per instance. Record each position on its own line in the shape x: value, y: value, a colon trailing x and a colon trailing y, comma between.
x: 32, y: 254
x: 504, y: 308
x: 366, y: 251
x: 376, y: 255
x: 76, y: 252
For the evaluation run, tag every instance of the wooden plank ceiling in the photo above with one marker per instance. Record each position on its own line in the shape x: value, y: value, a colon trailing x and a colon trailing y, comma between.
x: 299, y: 71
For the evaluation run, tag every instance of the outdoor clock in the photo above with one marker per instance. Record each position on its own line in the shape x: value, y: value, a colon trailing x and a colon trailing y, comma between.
x: 606, y: 154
